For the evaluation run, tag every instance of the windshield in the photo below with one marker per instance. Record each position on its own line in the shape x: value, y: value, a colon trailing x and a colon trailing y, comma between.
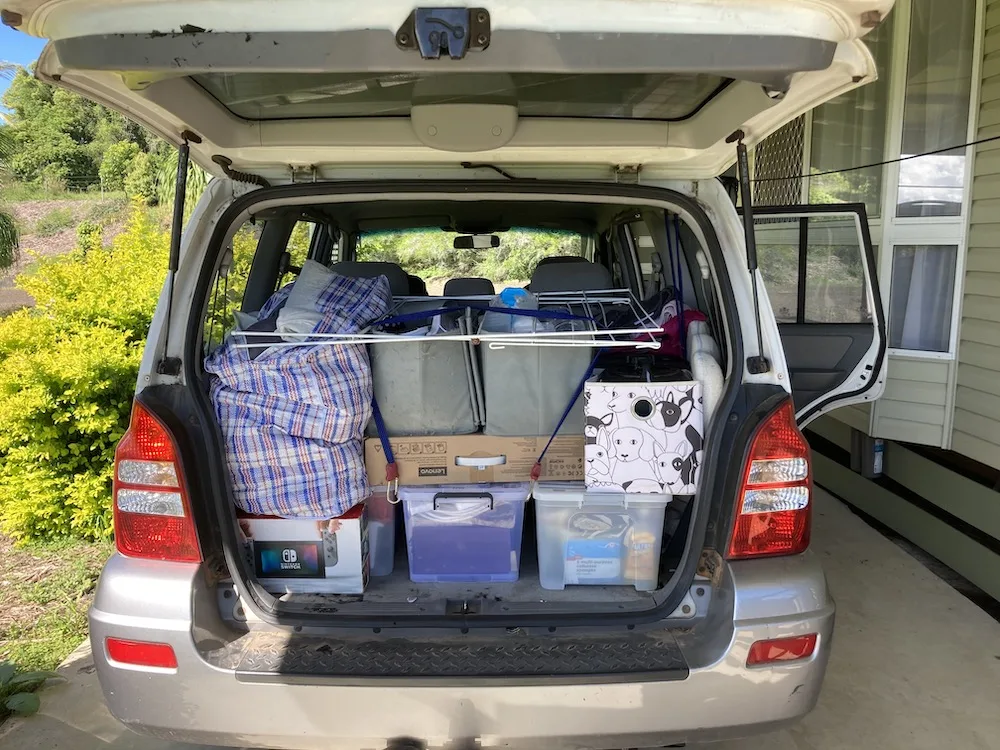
x: 430, y: 254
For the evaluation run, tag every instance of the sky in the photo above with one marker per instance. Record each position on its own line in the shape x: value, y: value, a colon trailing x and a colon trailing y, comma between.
x: 19, y: 48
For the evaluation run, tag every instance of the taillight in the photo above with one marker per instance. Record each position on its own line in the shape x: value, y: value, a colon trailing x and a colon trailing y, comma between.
x: 152, y: 516
x: 773, y: 504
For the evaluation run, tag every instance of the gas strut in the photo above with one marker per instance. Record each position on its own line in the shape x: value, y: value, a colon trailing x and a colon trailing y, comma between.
x: 172, y: 365
x: 758, y: 364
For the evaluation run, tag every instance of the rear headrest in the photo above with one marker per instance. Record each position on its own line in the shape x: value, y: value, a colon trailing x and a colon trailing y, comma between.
x: 399, y: 282
x: 418, y: 288
x: 559, y: 259
x: 468, y: 286
x: 570, y: 277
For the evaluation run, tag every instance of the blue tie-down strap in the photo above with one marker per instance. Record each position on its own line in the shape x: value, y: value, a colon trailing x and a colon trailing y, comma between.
x: 391, y: 470
x: 421, y: 315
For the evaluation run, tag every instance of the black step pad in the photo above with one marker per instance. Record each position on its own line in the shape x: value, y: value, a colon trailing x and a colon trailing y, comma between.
x: 636, y: 655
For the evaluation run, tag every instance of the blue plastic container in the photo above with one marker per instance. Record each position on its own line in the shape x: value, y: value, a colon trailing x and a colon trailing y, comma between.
x: 464, y: 533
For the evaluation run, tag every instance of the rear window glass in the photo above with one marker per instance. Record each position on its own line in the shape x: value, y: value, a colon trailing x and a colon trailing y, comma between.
x: 430, y: 254
x: 640, y: 96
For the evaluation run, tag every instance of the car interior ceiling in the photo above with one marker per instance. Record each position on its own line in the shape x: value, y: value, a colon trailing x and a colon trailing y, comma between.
x: 611, y: 239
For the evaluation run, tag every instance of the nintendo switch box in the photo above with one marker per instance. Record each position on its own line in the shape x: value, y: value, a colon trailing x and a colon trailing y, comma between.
x: 306, y: 556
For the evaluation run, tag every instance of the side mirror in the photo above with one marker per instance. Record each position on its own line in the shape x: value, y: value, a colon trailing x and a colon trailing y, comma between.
x: 476, y: 241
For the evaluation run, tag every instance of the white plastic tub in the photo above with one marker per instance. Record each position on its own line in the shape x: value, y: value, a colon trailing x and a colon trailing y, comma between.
x: 595, y: 538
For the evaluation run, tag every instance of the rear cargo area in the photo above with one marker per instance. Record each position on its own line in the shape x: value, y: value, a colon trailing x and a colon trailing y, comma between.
x: 523, y: 439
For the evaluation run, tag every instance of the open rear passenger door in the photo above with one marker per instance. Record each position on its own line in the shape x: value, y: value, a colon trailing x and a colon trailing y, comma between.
x: 818, y: 265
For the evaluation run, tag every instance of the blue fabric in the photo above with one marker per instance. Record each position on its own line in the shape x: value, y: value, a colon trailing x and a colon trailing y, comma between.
x: 293, y: 419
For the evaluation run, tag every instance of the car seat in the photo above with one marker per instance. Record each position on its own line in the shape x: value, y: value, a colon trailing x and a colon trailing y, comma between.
x: 569, y: 275
x: 418, y: 288
x: 399, y: 282
x: 468, y: 286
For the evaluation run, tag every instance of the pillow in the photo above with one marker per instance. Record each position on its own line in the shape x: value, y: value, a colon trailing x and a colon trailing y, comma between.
x: 301, y: 313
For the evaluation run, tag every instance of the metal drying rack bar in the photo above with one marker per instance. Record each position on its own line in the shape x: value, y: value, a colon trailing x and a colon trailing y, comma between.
x: 597, y: 310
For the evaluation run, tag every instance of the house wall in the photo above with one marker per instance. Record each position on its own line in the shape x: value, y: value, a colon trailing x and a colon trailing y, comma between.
x: 914, y: 407
x: 976, y: 427
x: 952, y: 517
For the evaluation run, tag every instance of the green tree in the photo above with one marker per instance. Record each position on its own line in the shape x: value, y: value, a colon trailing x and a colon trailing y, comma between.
x: 115, y: 164
x: 60, y: 137
x: 51, y: 130
x: 140, y: 182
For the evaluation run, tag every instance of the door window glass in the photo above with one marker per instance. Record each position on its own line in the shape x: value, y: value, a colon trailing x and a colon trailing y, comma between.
x: 778, y: 262
x: 813, y: 267
x: 922, y: 296
x: 834, y: 288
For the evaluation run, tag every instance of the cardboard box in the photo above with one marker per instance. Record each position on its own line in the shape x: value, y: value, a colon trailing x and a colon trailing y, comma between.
x: 644, y: 437
x: 302, y: 556
x: 473, y: 459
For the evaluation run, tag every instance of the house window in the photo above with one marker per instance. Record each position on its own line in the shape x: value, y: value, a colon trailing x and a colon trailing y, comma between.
x: 936, y: 107
x: 922, y: 297
x: 850, y: 131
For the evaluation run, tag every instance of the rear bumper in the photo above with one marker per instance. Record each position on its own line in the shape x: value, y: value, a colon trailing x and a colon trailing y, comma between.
x: 720, y: 698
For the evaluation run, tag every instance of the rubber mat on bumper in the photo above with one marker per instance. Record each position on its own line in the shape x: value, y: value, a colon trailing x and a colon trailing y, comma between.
x: 632, y: 656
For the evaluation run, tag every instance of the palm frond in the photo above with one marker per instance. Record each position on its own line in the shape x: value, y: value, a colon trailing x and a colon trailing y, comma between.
x: 166, y: 181
x: 9, y: 241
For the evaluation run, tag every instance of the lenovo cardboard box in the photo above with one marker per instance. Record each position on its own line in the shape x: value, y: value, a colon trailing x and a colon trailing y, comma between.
x: 467, y: 459
x: 305, y: 556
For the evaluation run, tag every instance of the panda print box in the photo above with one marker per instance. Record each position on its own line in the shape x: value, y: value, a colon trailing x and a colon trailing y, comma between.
x: 644, y: 437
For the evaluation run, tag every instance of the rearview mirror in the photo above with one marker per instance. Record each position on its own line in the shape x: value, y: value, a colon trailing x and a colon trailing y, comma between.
x: 476, y: 241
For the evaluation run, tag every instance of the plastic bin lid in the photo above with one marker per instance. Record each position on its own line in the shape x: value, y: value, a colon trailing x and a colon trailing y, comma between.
x: 576, y: 494
x: 502, y: 489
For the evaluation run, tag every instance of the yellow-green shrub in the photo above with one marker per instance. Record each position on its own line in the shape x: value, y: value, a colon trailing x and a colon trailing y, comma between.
x: 67, y: 374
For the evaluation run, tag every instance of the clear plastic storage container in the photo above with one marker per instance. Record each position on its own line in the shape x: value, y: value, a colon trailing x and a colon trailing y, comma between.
x: 468, y: 532
x: 381, y: 533
x: 597, y: 538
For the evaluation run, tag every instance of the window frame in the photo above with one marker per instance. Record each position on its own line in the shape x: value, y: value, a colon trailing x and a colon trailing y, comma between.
x: 926, y: 230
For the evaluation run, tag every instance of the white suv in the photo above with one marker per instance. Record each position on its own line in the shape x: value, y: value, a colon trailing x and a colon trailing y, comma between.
x: 612, y: 119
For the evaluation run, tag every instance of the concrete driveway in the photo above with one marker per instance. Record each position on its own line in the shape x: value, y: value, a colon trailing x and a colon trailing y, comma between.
x: 915, y: 664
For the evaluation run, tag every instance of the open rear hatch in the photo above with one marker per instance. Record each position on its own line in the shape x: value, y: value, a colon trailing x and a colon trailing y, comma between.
x: 318, y: 86
x: 326, y: 90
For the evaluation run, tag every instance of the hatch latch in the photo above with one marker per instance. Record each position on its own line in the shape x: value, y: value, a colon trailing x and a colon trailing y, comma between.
x: 445, y: 31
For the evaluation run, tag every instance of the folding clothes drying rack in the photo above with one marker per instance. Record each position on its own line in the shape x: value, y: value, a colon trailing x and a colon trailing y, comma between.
x: 594, y: 326
x: 420, y: 379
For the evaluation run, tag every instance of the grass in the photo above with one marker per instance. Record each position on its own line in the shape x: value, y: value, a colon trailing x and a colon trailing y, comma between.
x: 54, y: 221
x: 45, y: 591
x: 16, y: 192
x: 109, y: 211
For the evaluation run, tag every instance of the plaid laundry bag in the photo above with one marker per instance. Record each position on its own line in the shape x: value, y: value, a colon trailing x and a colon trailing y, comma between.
x: 293, y: 418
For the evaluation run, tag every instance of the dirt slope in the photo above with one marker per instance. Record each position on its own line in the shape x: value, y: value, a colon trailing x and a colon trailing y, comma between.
x: 34, y: 246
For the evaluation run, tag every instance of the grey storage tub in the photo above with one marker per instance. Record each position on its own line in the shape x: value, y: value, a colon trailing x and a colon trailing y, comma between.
x: 527, y: 388
x: 423, y: 386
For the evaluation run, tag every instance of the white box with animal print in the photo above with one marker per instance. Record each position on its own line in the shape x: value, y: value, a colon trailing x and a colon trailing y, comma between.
x: 643, y: 437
